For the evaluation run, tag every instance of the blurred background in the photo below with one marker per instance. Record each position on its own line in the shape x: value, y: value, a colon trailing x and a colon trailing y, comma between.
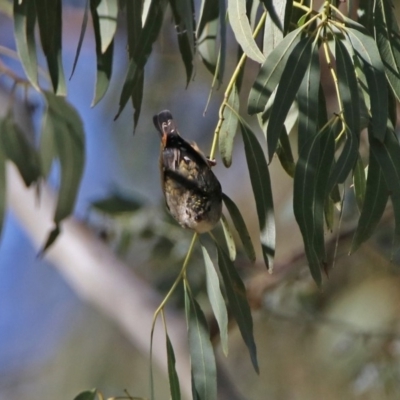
x: 341, y: 342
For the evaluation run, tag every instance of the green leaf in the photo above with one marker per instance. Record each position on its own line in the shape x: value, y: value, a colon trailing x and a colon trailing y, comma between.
x: 107, y: 11
x: 273, y: 28
x: 116, y: 204
x: 207, y: 32
x: 387, y: 36
x: 261, y: 184
x: 216, y: 300
x: 183, y: 13
x: 24, y: 32
x: 307, y: 98
x: 172, y: 375
x: 137, y: 97
x: 374, y: 204
x: 271, y: 72
x: 348, y: 88
x: 223, y: 45
x: 81, y: 36
x: 309, y: 194
x: 388, y: 157
x: 104, y: 59
x: 230, y: 243
x: 359, y: 182
x: 70, y: 149
x: 229, y: 127
x: 284, y: 152
x: 47, y: 149
x: 276, y: 16
x: 87, y: 395
x: 50, y: 29
x: 17, y: 148
x: 143, y: 50
x: 367, y: 51
x: 241, y: 28
x: 204, y: 372
x: 240, y: 226
x: 292, y: 76
x: 239, y: 306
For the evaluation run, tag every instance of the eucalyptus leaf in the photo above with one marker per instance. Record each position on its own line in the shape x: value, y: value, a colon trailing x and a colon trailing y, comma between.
x: 241, y: 28
x: 50, y: 28
x: 284, y: 152
x: 87, y: 395
x: 261, y: 184
x: 104, y: 59
x: 172, y: 375
x: 271, y: 72
x: 374, y: 204
x: 230, y: 242
x: 107, y: 11
x: 216, y: 300
x: 366, y: 50
x: 204, y: 373
x: 240, y: 226
x: 239, y: 306
x: 291, y: 79
x: 229, y: 127
x: 359, y: 182
x: 116, y: 204
x: 24, y: 32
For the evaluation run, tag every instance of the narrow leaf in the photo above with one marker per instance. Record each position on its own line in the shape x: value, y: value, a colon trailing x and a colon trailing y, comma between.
x: 143, y: 50
x: 216, y: 300
x: 241, y: 28
x: 388, y: 157
x: 307, y: 98
x: 239, y: 306
x: 104, y: 59
x: 50, y: 29
x: 17, y: 148
x: 230, y: 243
x: 107, y: 10
x: 271, y: 72
x: 24, y: 32
x: 261, y: 184
x: 81, y: 36
x: 229, y: 127
x: 284, y: 152
x: 240, y: 226
x: 375, y: 200
x: 172, y: 375
x: 204, y: 372
x: 359, y: 182
x: 292, y: 76
x: 87, y: 395
x: 367, y: 51
x: 387, y: 36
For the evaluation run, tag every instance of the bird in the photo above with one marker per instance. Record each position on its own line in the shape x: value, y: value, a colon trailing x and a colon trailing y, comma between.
x: 192, y: 192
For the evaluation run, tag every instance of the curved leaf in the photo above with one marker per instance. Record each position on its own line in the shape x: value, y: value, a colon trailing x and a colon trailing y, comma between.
x: 292, y: 76
x: 309, y: 194
x: 107, y: 11
x: 17, y: 148
x: 87, y: 395
x: 375, y: 199
x: 261, y: 184
x: 367, y: 51
x: 241, y: 28
x: 229, y: 127
x: 172, y: 375
x: 204, y: 372
x: 284, y: 152
x: 240, y: 226
x: 70, y: 149
x: 271, y: 72
x: 142, y: 52
x: 239, y: 306
x: 388, y: 157
x: 24, y: 32
x: 307, y: 98
x: 230, y: 243
x: 216, y: 300
x: 104, y: 59
x: 387, y: 36
x: 359, y: 182
x: 183, y: 13
x: 50, y: 29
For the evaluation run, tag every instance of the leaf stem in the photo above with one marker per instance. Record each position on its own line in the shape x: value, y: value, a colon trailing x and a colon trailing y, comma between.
x: 230, y: 87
